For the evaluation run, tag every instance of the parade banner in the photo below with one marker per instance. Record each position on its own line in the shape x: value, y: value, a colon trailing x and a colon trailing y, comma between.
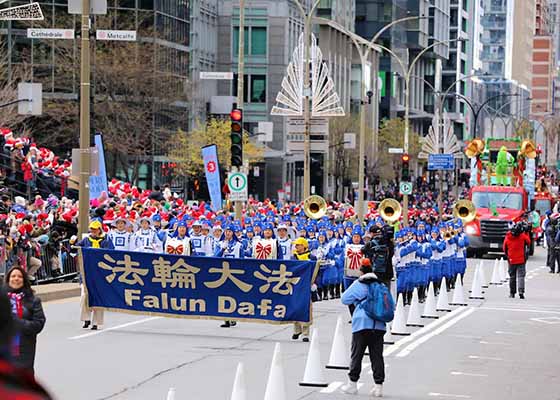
x: 212, y: 170
x: 199, y: 287
x: 98, y: 184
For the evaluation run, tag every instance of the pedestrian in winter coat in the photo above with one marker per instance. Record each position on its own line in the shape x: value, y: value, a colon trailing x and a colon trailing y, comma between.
x: 28, y: 316
x: 15, y: 383
x: 514, y: 246
x: 366, y: 333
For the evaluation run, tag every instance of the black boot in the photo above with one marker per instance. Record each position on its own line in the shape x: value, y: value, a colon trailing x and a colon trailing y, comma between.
x: 86, y: 324
x: 94, y: 327
x: 226, y: 324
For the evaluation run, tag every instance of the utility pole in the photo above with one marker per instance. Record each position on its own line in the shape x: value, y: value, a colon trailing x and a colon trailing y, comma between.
x: 85, y: 89
x: 240, y: 83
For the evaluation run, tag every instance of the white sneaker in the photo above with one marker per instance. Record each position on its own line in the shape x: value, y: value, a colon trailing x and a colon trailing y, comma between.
x: 377, y: 391
x: 350, y: 387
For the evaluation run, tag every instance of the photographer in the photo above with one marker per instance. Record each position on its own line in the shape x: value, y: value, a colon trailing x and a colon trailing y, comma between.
x: 515, y: 246
x: 379, y: 250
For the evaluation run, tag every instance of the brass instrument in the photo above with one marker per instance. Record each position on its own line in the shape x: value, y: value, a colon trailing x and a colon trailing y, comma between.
x: 390, y: 210
x: 315, y: 207
x: 465, y: 210
x: 448, y: 235
x: 528, y: 149
x: 475, y: 147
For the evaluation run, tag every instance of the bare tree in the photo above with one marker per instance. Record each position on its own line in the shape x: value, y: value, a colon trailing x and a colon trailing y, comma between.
x: 344, y: 162
x: 9, y: 79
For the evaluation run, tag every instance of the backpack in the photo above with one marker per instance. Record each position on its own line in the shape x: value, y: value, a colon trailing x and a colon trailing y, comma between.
x: 379, y: 304
x: 380, y: 257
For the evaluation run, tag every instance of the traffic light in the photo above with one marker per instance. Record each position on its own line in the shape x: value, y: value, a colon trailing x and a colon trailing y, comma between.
x: 405, y: 171
x: 236, y: 137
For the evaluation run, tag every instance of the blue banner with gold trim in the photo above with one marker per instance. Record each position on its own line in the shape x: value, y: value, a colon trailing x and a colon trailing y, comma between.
x: 199, y: 287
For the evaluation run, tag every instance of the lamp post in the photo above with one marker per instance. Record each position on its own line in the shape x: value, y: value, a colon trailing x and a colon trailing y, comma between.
x: 407, y: 77
x: 308, y: 18
x: 363, y: 46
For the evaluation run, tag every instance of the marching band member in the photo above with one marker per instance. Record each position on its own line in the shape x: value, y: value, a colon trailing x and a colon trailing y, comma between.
x: 353, y: 257
x: 119, y: 235
x: 284, y: 242
x: 145, y: 239
x: 230, y: 247
x: 438, y: 247
x: 302, y: 253
x: 156, y: 223
x: 200, y: 244
x: 179, y: 243
x: 266, y: 248
x: 462, y: 245
x: 423, y: 254
x: 327, y: 270
x: 217, y: 237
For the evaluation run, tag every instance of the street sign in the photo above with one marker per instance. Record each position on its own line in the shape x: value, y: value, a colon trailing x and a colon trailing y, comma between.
x: 237, y: 182
x: 317, y: 126
x: 121, y: 36
x: 405, y: 188
x: 50, y: 33
x: 31, y: 98
x: 445, y: 162
x: 227, y: 76
x: 396, y: 150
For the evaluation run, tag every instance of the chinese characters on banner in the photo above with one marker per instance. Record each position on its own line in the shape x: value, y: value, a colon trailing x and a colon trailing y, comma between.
x: 221, y: 288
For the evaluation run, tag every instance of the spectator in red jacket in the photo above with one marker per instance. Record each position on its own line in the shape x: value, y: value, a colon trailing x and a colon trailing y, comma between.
x: 514, y: 247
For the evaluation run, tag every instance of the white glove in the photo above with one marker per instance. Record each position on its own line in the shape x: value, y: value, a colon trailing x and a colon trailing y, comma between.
x: 314, y: 288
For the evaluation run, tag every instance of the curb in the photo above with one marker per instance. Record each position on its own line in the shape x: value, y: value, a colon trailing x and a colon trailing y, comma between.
x: 59, y: 294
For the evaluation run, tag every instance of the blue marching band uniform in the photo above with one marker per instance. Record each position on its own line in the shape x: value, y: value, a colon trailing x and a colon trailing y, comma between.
x: 426, y: 254
x: 423, y: 254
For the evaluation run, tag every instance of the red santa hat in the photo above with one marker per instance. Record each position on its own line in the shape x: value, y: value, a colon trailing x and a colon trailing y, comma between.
x: 6, y: 132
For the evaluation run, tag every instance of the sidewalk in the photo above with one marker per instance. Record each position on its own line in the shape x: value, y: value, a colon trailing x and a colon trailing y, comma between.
x: 57, y: 291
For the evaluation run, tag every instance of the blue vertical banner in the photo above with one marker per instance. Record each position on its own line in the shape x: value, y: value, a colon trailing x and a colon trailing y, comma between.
x: 212, y: 170
x: 98, y: 184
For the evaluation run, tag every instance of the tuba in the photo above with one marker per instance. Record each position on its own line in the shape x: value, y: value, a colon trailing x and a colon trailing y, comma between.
x: 315, y: 207
x: 465, y: 210
x: 390, y: 210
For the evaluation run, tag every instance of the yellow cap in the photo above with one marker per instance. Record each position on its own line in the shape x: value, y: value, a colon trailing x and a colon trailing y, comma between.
x: 301, y: 241
x: 95, y: 225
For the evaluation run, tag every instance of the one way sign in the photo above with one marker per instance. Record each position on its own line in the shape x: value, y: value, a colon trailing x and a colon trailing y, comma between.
x: 237, y: 182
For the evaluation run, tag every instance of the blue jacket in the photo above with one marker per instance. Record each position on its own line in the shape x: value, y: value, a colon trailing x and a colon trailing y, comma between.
x: 354, y: 295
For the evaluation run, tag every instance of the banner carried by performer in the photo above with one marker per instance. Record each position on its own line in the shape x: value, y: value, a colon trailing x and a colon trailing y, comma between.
x: 199, y: 287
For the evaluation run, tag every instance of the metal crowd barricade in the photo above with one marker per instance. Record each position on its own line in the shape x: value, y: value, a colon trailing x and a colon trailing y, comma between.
x: 3, y: 257
x: 57, y: 265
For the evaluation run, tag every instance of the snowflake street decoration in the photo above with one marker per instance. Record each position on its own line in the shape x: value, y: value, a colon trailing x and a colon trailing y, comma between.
x: 325, y: 102
x: 431, y: 143
x: 26, y: 12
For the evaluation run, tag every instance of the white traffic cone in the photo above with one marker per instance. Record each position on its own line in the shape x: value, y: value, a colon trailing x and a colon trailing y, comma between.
x: 430, y: 304
x: 313, y: 375
x: 496, y: 276
x: 414, y: 318
x: 239, y: 391
x: 399, y: 324
x: 458, y: 295
x: 476, y: 289
x: 276, y: 384
x: 339, y: 357
x: 442, y: 301
x: 482, y: 276
x: 171, y: 394
x: 505, y: 272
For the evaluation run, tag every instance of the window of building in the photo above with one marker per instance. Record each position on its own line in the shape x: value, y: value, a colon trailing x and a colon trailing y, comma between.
x: 258, y: 89
x: 464, y: 25
x: 255, y: 41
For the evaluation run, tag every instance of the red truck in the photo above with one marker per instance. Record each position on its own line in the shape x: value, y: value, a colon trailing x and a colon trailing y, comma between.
x: 496, y: 208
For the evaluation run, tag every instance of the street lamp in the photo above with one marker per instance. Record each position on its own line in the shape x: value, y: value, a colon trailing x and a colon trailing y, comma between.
x: 364, y: 47
x: 408, y: 76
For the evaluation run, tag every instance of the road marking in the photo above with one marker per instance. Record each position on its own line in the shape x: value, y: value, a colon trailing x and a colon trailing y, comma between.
x: 458, y: 373
x: 520, y: 310
x: 393, y: 348
x: 405, y: 352
x: 549, y: 320
x: 486, y: 358
x: 114, y: 328
x: 333, y: 387
x: 467, y: 337
x: 454, y: 396
x: 508, y: 333
x: 495, y: 343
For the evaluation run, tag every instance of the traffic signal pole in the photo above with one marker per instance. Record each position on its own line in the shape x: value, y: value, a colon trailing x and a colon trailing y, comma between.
x: 240, y: 83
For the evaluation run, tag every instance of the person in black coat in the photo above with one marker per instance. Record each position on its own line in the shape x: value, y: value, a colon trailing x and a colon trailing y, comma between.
x: 28, y: 315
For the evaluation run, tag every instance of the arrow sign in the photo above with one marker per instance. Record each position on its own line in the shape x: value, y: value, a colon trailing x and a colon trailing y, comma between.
x: 237, y: 182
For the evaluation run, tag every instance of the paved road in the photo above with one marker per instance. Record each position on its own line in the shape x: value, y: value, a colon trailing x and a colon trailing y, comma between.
x: 498, y: 348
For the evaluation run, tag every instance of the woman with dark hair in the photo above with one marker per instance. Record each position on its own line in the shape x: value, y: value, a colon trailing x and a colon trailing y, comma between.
x: 28, y: 316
